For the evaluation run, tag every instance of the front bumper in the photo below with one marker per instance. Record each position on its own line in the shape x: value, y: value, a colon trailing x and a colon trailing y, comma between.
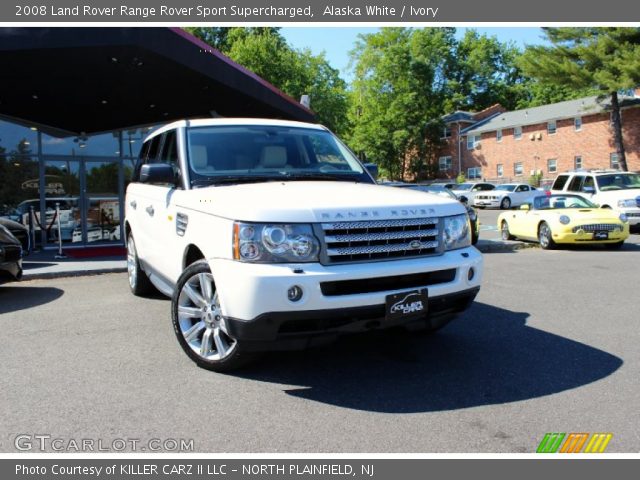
x: 486, y: 203
x: 254, y: 294
x: 295, y: 330
x: 633, y: 215
x: 588, y: 237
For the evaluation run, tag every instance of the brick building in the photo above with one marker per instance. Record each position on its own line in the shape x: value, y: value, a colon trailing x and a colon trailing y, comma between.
x: 503, y: 146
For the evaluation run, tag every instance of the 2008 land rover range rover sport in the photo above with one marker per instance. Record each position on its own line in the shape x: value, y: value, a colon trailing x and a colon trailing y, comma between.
x: 271, y: 235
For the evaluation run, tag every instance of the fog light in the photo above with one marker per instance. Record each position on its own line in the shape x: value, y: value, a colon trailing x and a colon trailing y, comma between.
x: 294, y: 293
x: 471, y: 274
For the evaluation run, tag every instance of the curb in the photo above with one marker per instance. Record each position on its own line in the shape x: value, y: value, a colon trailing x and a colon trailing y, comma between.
x: 493, y: 246
x: 71, y: 273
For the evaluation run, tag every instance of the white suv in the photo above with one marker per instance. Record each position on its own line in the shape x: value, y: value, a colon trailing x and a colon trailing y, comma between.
x: 271, y: 235
x: 607, y: 188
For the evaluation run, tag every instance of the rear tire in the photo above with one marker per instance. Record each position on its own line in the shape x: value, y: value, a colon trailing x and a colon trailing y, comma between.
x: 545, y: 237
x: 198, y: 323
x: 139, y: 283
x: 504, y: 228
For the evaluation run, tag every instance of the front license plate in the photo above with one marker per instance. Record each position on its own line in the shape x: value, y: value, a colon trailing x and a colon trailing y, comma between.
x: 414, y: 303
x: 601, y: 236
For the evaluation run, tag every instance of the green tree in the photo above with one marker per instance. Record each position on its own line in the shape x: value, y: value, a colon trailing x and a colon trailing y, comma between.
x: 265, y: 52
x: 603, y: 59
x: 407, y: 79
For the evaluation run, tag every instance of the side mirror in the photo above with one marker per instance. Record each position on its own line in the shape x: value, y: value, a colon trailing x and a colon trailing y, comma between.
x: 463, y: 199
x: 372, y: 168
x: 525, y: 206
x: 157, y: 173
x: 589, y: 190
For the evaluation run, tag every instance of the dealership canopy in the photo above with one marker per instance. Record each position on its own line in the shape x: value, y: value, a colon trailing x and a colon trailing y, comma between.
x: 72, y: 81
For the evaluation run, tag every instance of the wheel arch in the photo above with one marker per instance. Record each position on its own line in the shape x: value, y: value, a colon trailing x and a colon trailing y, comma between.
x: 191, y: 255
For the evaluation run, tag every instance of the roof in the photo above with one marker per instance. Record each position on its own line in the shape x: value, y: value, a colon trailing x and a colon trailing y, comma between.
x: 70, y: 81
x: 458, y: 116
x: 555, y: 111
x: 206, y: 122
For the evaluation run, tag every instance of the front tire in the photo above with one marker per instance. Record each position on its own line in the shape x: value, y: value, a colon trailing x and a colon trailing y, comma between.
x: 614, y: 246
x: 139, y: 283
x: 505, y: 204
x: 198, y: 323
x: 545, y: 236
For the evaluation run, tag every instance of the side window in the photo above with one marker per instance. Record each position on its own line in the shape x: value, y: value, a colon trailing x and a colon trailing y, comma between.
x: 522, y: 188
x: 487, y: 187
x: 589, y: 183
x: 560, y: 182
x: 169, y: 152
x: 576, y: 184
x: 152, y: 153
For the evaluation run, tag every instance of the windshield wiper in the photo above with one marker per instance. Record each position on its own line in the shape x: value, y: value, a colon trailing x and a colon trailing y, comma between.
x: 343, y: 177
x: 233, y: 179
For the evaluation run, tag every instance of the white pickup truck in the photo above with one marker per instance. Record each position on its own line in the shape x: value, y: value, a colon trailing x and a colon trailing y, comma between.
x: 271, y: 234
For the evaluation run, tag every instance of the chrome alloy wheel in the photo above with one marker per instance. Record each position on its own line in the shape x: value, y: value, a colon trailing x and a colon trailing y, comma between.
x: 132, y: 262
x: 200, y: 319
x: 544, y: 236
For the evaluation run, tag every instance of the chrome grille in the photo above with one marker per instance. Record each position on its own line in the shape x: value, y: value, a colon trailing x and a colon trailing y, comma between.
x: 598, y: 227
x: 380, y: 239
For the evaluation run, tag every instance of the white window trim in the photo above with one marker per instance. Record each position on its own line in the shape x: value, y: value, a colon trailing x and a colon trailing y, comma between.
x: 478, y: 169
x: 500, y: 170
x: 514, y: 133
x: 555, y: 127
x: 575, y: 127
x: 499, y: 135
x: 448, y: 164
x: 575, y: 166
x: 475, y: 142
x: 555, y: 167
x: 617, y: 160
x: 515, y: 174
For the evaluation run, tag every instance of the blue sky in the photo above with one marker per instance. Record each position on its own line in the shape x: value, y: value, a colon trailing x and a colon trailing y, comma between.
x: 336, y: 42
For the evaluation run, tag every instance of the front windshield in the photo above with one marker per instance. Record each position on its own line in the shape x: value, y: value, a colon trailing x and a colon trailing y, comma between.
x: 265, y: 152
x: 463, y: 186
x: 508, y: 188
x: 548, y: 202
x: 618, y: 181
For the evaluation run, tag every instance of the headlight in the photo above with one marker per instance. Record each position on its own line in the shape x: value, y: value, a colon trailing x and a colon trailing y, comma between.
x: 274, y: 243
x: 457, y: 232
x: 623, y: 218
x: 629, y: 202
x: 564, y: 219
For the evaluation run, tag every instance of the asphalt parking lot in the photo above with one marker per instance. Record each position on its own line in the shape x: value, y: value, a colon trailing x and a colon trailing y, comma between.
x: 551, y: 345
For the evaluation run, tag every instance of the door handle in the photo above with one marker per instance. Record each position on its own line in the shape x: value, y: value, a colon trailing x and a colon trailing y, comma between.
x: 133, y: 204
x: 150, y: 210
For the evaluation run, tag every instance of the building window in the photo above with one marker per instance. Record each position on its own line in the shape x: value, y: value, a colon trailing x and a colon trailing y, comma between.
x: 517, y: 133
x: 500, y: 170
x: 552, y: 165
x: 577, y: 123
x: 517, y: 169
x: 614, y: 161
x: 498, y: 135
x: 446, y: 133
x: 474, y: 172
x: 577, y: 162
x: 473, y: 141
x: 551, y: 127
x: 444, y: 164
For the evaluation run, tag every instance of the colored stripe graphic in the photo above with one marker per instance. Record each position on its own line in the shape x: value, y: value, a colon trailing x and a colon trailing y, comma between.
x: 574, y: 443
x: 598, y: 443
x: 550, y: 443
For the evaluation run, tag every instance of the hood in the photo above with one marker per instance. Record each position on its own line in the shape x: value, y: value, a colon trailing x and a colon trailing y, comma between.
x: 316, y: 201
x: 589, y: 215
x: 7, y: 238
x: 628, y: 194
x: 13, y: 226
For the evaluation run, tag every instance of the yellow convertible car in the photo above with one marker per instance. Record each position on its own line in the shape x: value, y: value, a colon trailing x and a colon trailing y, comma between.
x: 553, y: 219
